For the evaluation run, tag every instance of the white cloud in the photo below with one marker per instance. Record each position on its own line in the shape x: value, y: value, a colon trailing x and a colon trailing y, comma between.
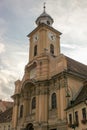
x: 2, y: 48
x: 3, y: 27
x: 6, y: 83
x: 80, y: 54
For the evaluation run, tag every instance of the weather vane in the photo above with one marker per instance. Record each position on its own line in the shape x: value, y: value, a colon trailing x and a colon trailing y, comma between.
x: 44, y: 6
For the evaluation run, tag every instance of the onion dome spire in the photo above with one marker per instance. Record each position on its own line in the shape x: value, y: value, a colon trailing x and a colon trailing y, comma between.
x: 44, y: 18
x: 44, y: 6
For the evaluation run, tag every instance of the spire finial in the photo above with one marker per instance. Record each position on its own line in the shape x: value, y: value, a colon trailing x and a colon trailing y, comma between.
x: 44, y: 6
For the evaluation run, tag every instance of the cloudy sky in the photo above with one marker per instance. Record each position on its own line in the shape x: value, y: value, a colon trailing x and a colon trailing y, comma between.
x: 17, y: 19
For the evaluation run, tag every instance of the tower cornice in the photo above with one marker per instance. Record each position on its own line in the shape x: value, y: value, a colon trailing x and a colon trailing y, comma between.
x: 43, y: 25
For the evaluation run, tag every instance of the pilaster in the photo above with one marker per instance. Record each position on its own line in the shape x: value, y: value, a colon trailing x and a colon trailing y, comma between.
x: 15, y: 112
x: 25, y: 106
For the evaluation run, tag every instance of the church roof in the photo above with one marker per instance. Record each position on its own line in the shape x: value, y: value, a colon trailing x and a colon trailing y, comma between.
x: 81, y: 97
x: 6, y: 116
x: 44, y: 18
x: 4, y: 105
x: 76, y: 67
x: 44, y: 14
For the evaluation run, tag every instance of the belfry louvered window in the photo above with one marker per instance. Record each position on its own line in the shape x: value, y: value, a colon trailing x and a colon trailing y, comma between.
x: 35, y: 50
x: 51, y: 48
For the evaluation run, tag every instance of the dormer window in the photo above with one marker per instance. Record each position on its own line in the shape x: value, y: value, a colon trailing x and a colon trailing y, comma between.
x: 44, y: 18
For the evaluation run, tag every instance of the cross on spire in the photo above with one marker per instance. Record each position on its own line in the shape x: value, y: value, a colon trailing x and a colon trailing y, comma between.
x: 44, y: 6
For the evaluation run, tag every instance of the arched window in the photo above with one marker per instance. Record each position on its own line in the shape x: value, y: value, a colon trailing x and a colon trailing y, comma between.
x: 51, y: 48
x: 35, y: 50
x: 21, y: 111
x: 53, y: 101
x: 34, y: 103
x: 30, y: 127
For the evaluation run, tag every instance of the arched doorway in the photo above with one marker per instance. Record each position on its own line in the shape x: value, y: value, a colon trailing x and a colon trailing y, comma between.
x: 29, y: 126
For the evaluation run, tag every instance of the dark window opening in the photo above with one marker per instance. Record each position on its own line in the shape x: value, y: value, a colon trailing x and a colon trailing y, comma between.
x: 48, y: 22
x: 21, y: 111
x: 84, y: 113
x: 34, y: 103
x: 53, y: 101
x: 35, y: 50
x: 39, y: 23
x: 76, y: 119
x: 8, y: 127
x: 52, y: 49
x: 30, y: 127
x: 53, y: 129
x: 70, y: 119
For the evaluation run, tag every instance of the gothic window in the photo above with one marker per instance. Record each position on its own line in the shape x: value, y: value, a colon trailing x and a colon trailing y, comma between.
x: 53, y: 100
x: 51, y: 48
x: 35, y: 50
x: 21, y: 111
x: 84, y: 113
x: 34, y: 103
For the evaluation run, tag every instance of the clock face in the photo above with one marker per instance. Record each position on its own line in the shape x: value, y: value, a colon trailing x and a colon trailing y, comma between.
x: 35, y: 38
x: 51, y: 36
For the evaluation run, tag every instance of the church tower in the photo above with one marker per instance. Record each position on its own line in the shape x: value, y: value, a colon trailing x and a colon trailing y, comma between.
x: 39, y: 98
x: 44, y: 42
x: 44, y: 38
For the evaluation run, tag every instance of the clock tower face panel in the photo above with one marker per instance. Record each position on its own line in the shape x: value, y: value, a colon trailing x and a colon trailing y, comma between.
x: 53, y: 42
x: 35, y: 38
x: 51, y: 36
